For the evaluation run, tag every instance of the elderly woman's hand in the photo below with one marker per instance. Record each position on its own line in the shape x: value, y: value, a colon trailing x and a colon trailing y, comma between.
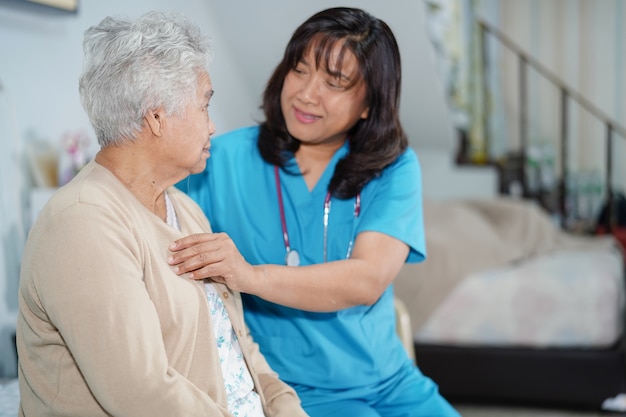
x: 214, y: 256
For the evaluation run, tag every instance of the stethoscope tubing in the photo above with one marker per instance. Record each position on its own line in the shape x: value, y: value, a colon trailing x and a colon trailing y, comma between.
x: 292, y: 256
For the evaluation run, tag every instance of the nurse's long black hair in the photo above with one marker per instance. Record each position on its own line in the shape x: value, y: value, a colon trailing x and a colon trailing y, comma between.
x: 375, y: 142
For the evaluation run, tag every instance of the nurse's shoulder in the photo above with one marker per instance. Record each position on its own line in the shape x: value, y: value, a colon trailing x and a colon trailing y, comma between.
x: 238, y: 140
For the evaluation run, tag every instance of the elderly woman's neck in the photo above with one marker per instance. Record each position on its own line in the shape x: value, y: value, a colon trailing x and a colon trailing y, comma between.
x: 139, y: 173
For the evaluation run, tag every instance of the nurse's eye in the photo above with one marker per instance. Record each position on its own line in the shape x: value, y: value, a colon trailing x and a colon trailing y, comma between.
x: 337, y: 83
x: 300, y: 69
x: 334, y: 83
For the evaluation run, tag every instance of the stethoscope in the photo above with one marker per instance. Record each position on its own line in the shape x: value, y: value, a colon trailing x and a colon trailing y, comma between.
x: 292, y: 257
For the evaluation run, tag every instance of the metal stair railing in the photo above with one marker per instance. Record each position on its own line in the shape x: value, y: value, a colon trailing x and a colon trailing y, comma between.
x: 567, y: 94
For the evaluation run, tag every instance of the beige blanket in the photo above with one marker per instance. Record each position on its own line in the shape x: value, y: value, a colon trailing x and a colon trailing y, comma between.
x: 467, y: 236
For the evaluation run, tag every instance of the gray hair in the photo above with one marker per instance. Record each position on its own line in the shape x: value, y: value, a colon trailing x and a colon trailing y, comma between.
x: 134, y: 66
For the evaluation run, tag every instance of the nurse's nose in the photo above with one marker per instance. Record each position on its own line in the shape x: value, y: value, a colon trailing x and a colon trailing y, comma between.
x: 310, y: 91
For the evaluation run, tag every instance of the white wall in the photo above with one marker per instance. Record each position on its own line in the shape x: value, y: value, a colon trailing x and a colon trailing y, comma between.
x: 41, y: 59
x: 258, y: 35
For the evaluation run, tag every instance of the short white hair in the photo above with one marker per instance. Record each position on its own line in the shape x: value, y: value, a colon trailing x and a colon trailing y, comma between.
x: 134, y: 66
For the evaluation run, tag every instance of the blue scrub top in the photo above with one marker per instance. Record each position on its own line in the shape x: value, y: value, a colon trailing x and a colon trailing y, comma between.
x: 345, y: 349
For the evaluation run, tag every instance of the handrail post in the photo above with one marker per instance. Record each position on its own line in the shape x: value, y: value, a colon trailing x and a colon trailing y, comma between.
x: 609, y: 174
x: 485, y: 90
x: 523, y: 123
x: 564, y: 157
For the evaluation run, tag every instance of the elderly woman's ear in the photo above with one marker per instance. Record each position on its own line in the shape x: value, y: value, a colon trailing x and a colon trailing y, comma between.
x: 154, y: 120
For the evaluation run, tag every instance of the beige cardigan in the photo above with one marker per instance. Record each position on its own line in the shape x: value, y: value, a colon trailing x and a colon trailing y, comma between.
x: 105, y: 328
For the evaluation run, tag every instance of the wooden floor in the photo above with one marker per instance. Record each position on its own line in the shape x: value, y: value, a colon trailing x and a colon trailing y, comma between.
x: 467, y: 410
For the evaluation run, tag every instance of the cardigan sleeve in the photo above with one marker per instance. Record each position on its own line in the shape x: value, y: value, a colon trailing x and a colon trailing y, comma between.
x: 280, y: 399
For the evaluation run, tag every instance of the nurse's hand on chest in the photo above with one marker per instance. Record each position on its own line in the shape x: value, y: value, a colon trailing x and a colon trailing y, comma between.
x: 213, y: 256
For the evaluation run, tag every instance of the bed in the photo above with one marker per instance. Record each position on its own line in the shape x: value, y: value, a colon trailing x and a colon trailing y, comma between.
x: 510, y: 309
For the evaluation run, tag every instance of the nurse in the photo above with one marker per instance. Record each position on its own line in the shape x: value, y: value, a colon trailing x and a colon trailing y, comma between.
x: 320, y: 206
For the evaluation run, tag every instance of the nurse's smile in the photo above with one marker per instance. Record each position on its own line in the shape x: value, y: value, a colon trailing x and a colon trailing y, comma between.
x: 305, y: 117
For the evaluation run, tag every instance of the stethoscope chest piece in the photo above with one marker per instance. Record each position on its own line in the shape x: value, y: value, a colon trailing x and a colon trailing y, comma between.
x: 292, y: 258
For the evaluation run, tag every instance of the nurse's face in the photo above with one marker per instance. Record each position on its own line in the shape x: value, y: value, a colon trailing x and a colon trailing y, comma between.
x: 321, y: 104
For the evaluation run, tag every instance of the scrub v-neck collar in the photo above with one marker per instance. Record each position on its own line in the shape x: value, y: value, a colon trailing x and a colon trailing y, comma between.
x: 298, y: 189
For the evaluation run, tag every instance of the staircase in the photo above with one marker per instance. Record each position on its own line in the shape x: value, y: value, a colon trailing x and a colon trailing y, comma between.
x: 514, y: 170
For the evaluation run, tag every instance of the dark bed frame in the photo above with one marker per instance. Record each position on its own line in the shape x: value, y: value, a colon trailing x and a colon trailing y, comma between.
x: 574, y: 378
x: 566, y: 378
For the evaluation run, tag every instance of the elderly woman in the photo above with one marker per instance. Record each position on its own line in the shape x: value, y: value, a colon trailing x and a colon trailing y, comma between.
x: 105, y: 327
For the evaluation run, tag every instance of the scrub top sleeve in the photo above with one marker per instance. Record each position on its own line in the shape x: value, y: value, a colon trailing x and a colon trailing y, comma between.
x: 394, y: 205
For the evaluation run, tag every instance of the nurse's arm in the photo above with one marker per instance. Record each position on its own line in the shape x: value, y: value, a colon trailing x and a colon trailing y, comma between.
x: 376, y: 260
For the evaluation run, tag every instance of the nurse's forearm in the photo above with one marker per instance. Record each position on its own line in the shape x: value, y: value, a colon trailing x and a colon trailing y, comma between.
x: 324, y: 287
x: 332, y: 286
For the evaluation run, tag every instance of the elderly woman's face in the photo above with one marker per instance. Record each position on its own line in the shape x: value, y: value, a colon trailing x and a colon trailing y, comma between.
x: 190, y: 133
